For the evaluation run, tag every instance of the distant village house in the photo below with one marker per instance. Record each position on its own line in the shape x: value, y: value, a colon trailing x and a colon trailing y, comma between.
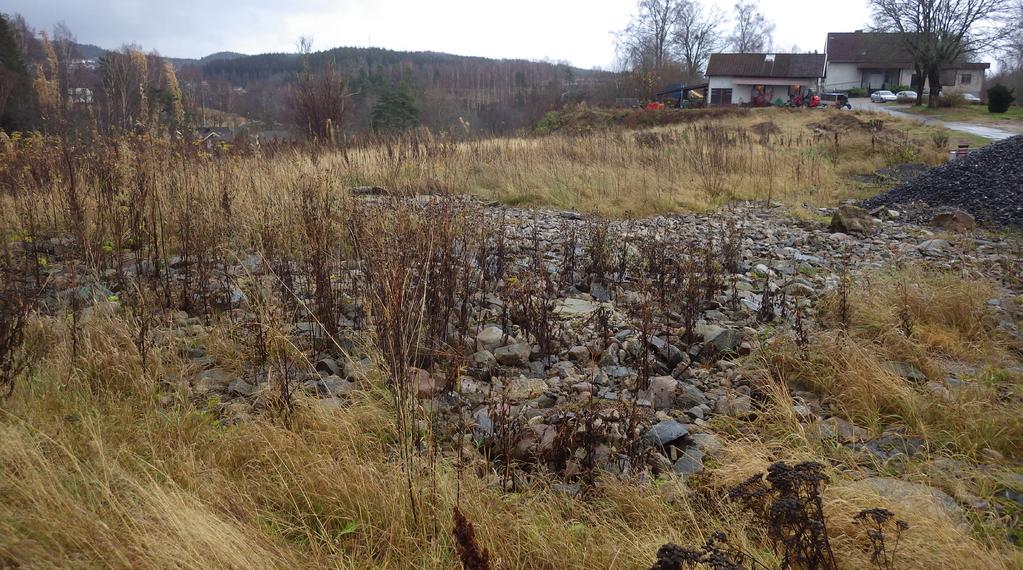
x: 761, y: 79
x: 875, y: 60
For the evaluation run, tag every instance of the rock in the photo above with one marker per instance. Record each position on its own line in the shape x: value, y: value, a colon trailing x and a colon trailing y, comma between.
x: 523, y: 388
x: 955, y: 221
x: 212, y: 379
x: 661, y: 392
x: 690, y: 396
x: 934, y: 247
x: 514, y: 354
x: 849, y: 219
x: 483, y: 424
x: 327, y: 367
x: 727, y: 341
x: 665, y: 432
x: 708, y: 331
x: 241, y: 388
x: 907, y: 371
x: 330, y: 404
x: 735, y: 405
x: 939, y: 391
x: 894, y: 446
x: 358, y: 370
x: 334, y: 386
x: 690, y: 463
x: 572, y: 307
x: 484, y: 358
x: 579, y: 354
x: 426, y: 385
x: 709, y: 443
x: 838, y: 429
x: 934, y: 501
x: 491, y: 337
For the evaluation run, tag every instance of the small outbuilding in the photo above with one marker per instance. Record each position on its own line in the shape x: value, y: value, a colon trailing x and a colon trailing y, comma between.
x: 761, y: 79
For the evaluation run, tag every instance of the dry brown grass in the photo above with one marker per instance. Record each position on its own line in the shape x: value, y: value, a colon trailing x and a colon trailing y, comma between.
x: 948, y: 320
x: 127, y: 482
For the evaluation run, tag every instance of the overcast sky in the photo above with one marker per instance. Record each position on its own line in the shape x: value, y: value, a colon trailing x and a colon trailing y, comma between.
x: 574, y: 30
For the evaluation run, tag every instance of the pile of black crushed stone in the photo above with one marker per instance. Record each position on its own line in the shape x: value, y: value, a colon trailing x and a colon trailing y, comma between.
x: 987, y: 183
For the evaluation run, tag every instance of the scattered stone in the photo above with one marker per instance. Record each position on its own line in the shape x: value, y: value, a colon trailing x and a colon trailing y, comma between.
x: 849, y: 219
x: 955, y: 221
x: 513, y: 355
x: 490, y: 338
x: 665, y: 432
x: 241, y: 388
x: 735, y: 405
x: 935, y: 501
x: 572, y: 307
x: 838, y: 429
x: 661, y: 392
x: 690, y: 463
x: 907, y: 371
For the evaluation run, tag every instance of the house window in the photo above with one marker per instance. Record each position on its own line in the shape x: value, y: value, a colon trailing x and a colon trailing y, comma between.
x: 966, y: 79
x: 720, y: 97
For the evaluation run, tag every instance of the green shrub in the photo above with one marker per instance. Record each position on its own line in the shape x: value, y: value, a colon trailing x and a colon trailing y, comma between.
x: 898, y: 88
x: 999, y: 97
x: 858, y: 92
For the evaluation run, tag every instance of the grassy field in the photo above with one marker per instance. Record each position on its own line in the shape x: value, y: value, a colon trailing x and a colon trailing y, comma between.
x: 794, y: 156
x: 101, y: 467
x: 108, y: 462
x: 971, y: 113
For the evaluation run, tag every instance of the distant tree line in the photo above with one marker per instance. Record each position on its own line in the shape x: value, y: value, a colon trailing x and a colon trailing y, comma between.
x: 671, y: 40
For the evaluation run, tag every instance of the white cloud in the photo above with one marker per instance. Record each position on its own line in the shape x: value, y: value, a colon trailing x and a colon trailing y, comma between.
x: 579, y: 31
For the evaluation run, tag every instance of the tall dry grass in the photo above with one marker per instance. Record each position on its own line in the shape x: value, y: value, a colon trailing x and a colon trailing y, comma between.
x: 130, y: 482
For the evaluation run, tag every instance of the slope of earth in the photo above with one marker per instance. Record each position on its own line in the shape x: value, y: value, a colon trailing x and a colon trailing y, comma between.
x: 988, y: 183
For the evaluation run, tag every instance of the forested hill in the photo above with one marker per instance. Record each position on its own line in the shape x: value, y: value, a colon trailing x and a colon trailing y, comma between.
x: 491, y: 94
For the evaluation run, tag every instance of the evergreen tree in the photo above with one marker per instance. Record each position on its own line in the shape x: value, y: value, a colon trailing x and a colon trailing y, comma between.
x: 395, y: 111
x: 16, y: 97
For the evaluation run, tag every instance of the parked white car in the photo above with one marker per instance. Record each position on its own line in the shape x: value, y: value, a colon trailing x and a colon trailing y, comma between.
x: 906, y: 96
x: 971, y: 99
x: 883, y: 97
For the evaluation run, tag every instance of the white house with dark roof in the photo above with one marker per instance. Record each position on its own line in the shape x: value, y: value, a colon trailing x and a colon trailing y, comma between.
x: 761, y: 79
x: 877, y: 60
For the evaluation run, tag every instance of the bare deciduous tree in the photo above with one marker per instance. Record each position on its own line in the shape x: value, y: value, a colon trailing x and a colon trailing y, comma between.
x: 697, y: 34
x: 644, y: 44
x: 318, y: 102
x: 753, y: 32
x: 941, y: 33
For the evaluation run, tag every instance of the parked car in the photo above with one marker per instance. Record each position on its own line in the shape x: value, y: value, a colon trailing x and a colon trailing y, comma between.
x: 971, y: 99
x: 836, y: 99
x: 906, y: 96
x: 883, y: 97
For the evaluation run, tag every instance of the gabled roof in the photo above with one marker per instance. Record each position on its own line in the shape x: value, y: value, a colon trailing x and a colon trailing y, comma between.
x: 784, y: 65
x: 878, y: 49
x: 868, y: 47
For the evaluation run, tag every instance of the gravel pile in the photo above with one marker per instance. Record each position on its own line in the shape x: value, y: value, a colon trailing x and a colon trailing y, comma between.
x: 987, y: 183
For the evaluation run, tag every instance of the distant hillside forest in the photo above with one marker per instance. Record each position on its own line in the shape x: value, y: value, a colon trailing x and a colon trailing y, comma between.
x: 53, y: 83
x: 449, y: 92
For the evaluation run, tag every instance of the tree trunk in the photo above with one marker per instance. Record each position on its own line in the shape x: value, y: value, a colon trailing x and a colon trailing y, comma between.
x: 934, y: 78
x: 918, y: 86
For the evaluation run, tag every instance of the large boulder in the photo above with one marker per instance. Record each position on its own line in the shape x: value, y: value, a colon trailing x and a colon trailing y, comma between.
x: 661, y: 392
x: 849, y: 219
x: 928, y: 499
x: 665, y: 432
x: 955, y: 221
x: 513, y: 354
x: 491, y: 337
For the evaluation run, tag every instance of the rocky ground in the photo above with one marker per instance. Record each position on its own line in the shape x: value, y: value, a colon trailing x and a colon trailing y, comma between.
x: 641, y: 417
x: 987, y: 183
